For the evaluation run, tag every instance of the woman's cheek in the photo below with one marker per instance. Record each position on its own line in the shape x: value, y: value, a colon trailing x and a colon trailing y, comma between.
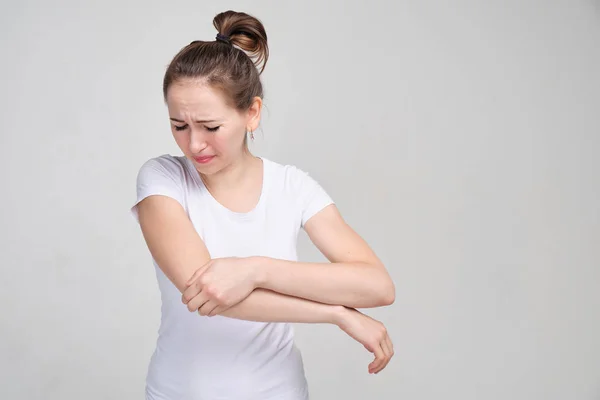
x: 224, y: 143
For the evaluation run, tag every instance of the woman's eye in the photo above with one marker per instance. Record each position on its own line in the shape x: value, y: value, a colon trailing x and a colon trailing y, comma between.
x: 181, y: 128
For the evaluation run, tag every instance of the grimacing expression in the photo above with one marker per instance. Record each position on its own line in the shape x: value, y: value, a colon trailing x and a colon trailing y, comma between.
x: 208, y: 130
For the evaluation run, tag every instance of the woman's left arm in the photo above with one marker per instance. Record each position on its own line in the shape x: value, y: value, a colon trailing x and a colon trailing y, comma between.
x: 354, y: 277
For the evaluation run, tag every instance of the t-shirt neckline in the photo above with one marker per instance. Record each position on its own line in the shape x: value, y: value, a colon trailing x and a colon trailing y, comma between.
x: 233, y: 214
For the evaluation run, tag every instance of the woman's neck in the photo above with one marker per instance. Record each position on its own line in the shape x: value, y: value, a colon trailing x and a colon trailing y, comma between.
x: 237, y: 174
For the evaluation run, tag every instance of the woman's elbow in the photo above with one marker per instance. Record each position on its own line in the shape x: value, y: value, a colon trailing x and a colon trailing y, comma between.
x: 388, y: 295
x: 383, y: 289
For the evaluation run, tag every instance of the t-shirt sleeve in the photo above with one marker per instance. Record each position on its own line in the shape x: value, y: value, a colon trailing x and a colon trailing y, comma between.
x: 158, y: 176
x: 312, y: 197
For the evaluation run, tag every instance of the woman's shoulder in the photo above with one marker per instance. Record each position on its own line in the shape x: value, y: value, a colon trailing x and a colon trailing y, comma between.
x: 298, y: 186
x: 284, y: 172
x: 162, y: 169
x: 166, y: 160
x: 165, y: 163
x: 289, y: 177
x: 288, y: 169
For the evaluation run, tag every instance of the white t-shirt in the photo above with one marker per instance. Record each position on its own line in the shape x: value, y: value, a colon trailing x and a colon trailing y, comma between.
x: 202, y: 358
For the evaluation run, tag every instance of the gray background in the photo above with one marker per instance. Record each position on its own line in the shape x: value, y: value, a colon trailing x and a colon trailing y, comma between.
x: 459, y: 138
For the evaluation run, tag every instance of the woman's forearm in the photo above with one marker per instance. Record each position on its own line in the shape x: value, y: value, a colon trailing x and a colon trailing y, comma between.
x: 354, y: 285
x: 267, y: 306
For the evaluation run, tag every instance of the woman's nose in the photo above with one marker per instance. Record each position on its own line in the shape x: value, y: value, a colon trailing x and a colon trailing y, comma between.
x: 197, y: 141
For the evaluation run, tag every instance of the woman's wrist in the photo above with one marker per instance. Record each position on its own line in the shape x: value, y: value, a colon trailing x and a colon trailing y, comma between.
x: 338, y: 315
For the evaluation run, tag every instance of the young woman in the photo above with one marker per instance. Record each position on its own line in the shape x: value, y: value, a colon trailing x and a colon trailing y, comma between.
x: 221, y: 225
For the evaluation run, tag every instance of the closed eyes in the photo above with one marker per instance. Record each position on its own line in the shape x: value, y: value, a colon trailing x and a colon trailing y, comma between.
x: 183, y: 127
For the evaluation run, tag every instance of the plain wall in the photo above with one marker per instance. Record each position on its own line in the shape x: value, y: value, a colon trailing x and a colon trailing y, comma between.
x: 460, y: 139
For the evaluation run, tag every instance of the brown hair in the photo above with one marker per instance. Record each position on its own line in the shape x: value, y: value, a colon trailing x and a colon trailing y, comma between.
x: 233, y: 63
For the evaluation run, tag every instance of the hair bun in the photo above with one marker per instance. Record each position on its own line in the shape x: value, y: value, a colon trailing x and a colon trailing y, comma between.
x: 246, y: 32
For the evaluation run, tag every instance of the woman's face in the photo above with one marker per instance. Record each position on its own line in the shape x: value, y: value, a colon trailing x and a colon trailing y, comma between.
x: 208, y: 131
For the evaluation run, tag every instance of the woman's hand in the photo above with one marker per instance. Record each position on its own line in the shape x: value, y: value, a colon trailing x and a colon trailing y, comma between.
x: 370, y: 333
x: 219, y: 285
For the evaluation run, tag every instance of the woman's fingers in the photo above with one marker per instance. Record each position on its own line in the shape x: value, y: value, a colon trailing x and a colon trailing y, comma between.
x: 189, y: 293
x: 194, y: 287
x: 390, y: 344
x: 386, y: 347
x: 198, y: 301
x: 384, y: 352
x: 198, y: 272
x: 380, y: 362
x: 218, y: 310
x: 212, y: 311
x: 379, y: 358
x: 207, y: 307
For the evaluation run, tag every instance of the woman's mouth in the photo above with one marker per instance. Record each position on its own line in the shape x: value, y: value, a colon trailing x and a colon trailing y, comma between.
x: 204, y: 159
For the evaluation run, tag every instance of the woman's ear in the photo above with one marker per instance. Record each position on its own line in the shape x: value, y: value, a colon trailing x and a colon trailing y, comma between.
x: 254, y: 113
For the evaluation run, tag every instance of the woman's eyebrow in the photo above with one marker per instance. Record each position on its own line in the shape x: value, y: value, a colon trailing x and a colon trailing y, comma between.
x: 199, y: 122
